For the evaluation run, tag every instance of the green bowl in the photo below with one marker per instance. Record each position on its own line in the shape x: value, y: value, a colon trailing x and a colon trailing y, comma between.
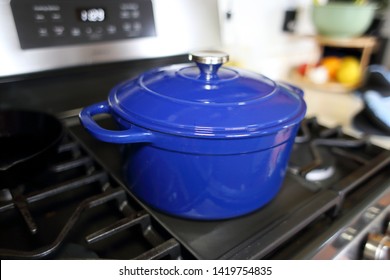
x: 342, y: 19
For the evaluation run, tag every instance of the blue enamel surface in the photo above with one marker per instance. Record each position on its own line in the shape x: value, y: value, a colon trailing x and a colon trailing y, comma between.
x: 208, y: 178
x: 204, y: 144
x: 206, y: 186
x: 177, y: 100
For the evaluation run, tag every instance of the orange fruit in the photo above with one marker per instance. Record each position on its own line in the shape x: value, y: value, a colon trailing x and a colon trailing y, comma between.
x: 332, y: 64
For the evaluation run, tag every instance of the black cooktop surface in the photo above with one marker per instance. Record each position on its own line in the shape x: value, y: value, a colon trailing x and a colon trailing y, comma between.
x: 299, y: 205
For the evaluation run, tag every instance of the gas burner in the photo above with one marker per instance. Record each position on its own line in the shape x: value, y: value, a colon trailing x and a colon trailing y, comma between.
x: 317, y: 150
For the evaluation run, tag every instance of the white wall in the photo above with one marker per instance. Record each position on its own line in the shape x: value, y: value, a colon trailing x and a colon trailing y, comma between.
x: 255, y: 40
x: 386, y: 33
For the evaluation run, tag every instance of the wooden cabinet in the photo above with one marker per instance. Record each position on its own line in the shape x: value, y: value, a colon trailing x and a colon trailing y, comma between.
x: 364, y: 46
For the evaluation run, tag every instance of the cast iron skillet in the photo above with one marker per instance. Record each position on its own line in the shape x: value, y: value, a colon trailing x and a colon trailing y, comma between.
x: 27, y: 141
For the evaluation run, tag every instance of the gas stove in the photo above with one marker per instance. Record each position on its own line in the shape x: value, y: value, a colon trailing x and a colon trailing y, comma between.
x: 59, y: 57
x: 334, y: 204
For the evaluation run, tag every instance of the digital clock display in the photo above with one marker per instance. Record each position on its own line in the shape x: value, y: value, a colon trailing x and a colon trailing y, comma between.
x: 91, y: 14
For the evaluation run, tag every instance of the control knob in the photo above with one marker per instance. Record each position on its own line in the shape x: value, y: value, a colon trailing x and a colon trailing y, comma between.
x: 377, y: 247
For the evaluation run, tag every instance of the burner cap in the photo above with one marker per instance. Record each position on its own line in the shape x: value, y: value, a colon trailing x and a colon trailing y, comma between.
x: 320, y: 174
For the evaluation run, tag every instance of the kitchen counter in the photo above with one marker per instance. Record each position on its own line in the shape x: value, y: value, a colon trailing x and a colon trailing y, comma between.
x: 332, y: 109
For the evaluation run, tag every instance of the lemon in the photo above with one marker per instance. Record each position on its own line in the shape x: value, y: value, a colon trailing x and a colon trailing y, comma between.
x: 349, y: 72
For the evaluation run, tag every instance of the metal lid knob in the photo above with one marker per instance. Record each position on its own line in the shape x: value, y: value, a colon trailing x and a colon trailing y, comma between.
x: 208, y: 63
x: 209, y: 57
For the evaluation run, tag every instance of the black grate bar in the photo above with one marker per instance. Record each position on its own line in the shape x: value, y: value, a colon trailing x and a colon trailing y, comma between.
x: 359, y: 176
x: 362, y: 174
x: 84, y: 205
x: 318, y: 159
x: 57, y: 189
x: 334, y: 132
x: 67, y: 186
x: 118, y: 226
x: 68, y: 165
x: 66, y: 147
x: 304, y: 134
x: 350, y: 155
x: 170, y: 248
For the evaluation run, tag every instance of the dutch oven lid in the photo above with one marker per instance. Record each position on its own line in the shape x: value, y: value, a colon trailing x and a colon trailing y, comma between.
x: 206, y: 100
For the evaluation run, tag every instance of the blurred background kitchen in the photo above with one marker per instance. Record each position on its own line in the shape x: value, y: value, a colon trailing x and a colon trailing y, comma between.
x: 300, y: 41
x: 284, y: 40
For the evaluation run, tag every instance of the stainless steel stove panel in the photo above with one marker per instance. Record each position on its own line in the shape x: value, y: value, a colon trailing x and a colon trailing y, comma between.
x: 194, y: 26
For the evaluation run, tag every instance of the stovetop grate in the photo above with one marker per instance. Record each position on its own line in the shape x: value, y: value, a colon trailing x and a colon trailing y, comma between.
x: 300, y: 205
x: 80, y: 209
x: 75, y: 210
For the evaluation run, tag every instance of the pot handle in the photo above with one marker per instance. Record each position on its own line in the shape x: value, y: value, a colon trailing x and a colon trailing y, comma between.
x: 131, y: 135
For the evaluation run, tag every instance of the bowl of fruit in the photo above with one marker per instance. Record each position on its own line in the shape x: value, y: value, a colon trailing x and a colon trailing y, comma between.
x: 331, y: 73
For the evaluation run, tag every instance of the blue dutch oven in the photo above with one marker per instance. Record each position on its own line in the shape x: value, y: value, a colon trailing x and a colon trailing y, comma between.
x: 213, y: 142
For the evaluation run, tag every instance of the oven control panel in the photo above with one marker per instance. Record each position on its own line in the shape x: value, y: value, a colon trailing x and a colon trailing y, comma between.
x: 59, y: 23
